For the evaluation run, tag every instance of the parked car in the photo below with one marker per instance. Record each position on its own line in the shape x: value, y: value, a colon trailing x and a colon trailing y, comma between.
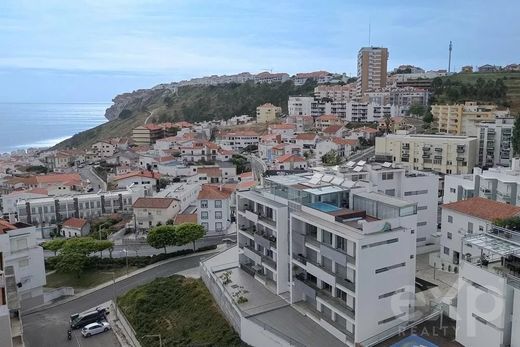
x: 95, y: 328
x: 79, y: 320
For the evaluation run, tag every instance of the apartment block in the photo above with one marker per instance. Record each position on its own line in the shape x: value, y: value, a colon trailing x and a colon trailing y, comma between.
x: 336, y: 252
x: 463, y: 119
x: 437, y: 153
x: 498, y: 183
x: 267, y: 113
x: 46, y: 213
x: 214, y: 207
x: 238, y: 140
x: 300, y: 105
x: 147, y: 134
x: 371, y: 69
x: 495, y: 142
x: 488, y: 298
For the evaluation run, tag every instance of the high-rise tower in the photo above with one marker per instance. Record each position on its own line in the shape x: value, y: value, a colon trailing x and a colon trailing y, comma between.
x: 372, y: 68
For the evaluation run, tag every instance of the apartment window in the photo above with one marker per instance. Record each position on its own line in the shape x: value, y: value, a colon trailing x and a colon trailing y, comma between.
x: 421, y: 224
x: 326, y: 237
x: 341, y: 243
x: 388, y: 268
x: 420, y: 208
x: 450, y: 219
x: 446, y: 251
x: 450, y: 236
x: 392, y: 293
x: 218, y: 203
x: 470, y: 228
x: 390, y: 192
x: 218, y: 214
x: 388, y: 320
x: 380, y: 243
x: 388, y: 176
x: 453, y: 190
x: 415, y: 192
x: 218, y: 226
x: 204, y: 225
x: 480, y: 228
x: 204, y: 215
x: 204, y: 204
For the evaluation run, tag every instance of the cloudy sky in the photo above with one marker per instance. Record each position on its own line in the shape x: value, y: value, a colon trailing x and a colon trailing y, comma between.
x: 90, y: 50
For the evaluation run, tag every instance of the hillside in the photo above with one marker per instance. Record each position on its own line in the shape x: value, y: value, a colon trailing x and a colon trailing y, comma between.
x: 190, y: 103
x: 511, y: 81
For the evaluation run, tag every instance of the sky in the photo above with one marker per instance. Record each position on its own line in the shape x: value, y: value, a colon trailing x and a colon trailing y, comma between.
x: 91, y: 50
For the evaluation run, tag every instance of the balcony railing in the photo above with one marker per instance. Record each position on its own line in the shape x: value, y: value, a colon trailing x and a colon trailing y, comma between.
x: 336, y: 302
x: 267, y: 220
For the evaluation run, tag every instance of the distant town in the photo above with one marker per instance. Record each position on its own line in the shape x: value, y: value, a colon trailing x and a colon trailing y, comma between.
x: 381, y: 206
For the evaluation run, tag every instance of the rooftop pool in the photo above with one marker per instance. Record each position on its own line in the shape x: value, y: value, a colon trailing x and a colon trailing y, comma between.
x: 324, y: 207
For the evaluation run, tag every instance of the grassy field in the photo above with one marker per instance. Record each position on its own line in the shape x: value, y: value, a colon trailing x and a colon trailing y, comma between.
x: 511, y: 80
x: 180, y: 309
x: 88, y: 279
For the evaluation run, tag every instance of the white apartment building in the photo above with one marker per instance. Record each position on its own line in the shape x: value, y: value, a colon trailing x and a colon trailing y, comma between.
x: 495, y: 142
x: 335, y: 92
x: 238, y: 140
x: 409, y: 185
x: 300, y: 105
x: 438, y: 153
x: 488, y: 298
x: 465, y: 217
x: 214, y: 207
x: 103, y: 149
x: 369, y: 112
x: 350, y: 251
x: 500, y: 184
x: 46, y: 213
x: 185, y: 192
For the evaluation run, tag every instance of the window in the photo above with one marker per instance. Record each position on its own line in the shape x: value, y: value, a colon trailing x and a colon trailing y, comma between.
x: 421, y: 224
x: 420, y: 208
x: 470, y: 228
x: 450, y: 236
x: 388, y: 268
x: 415, y: 192
x: 388, y: 320
x: 380, y: 243
x: 388, y: 176
x: 326, y: 237
x: 390, y: 192
x: 446, y: 251
x: 218, y: 203
x: 204, y: 215
x: 204, y: 204
x: 386, y: 295
x: 218, y: 214
x: 480, y: 228
x: 450, y: 219
x: 218, y: 226
x: 453, y: 190
x: 204, y: 225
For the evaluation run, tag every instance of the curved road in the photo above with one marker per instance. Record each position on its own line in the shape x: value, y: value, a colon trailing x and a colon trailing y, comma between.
x: 48, y: 327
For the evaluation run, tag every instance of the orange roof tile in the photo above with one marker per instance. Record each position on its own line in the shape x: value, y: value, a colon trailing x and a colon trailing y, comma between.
x: 210, y: 171
x: 306, y: 136
x: 332, y: 129
x: 75, y: 223
x: 483, y: 208
x: 160, y: 203
x: 147, y: 174
x: 215, y: 192
x: 186, y: 218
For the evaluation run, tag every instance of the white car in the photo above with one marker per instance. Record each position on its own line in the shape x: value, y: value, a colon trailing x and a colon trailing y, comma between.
x: 95, y: 328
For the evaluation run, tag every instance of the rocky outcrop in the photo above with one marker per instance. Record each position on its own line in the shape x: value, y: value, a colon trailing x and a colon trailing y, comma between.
x: 137, y: 101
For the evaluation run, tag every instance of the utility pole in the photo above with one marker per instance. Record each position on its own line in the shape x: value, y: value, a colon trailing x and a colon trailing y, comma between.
x: 449, y: 58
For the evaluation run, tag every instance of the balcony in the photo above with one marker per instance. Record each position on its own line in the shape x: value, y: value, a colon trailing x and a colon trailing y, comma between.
x: 267, y: 220
x: 459, y: 159
x: 250, y: 230
x: 336, y: 302
x: 265, y: 240
x: 425, y: 156
x: 346, y: 283
x: 460, y: 149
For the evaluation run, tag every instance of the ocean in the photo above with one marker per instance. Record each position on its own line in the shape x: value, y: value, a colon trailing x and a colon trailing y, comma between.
x: 43, y: 125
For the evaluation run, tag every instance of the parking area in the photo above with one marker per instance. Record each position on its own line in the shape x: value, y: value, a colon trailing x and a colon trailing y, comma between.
x: 107, y: 339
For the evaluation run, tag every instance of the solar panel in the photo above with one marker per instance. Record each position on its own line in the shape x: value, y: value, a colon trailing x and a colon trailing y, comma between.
x: 348, y: 184
x: 337, y: 181
x: 327, y: 178
x: 314, y: 180
x: 361, y: 162
x: 358, y: 168
x: 351, y: 164
x: 387, y: 164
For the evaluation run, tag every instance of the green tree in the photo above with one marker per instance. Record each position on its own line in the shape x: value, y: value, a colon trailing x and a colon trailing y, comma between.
x: 102, y: 245
x: 162, y: 236
x: 516, y: 136
x: 189, y: 232
x: 82, y: 245
x: 417, y: 110
x: 71, y: 262
x: 54, y: 245
x: 331, y: 158
x: 428, y: 117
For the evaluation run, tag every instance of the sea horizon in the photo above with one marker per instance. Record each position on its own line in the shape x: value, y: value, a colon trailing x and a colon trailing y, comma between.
x: 44, y: 124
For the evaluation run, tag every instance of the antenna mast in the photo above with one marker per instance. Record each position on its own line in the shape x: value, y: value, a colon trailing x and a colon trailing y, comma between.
x: 449, y: 58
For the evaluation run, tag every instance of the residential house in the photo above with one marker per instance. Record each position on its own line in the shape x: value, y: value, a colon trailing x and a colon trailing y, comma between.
x: 214, y: 207
x: 145, y: 179
x: 267, y: 113
x: 290, y: 162
x: 327, y: 120
x: 75, y: 227
x: 150, y: 212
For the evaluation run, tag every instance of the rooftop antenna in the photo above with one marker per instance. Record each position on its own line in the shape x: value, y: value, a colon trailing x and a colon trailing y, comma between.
x: 449, y: 58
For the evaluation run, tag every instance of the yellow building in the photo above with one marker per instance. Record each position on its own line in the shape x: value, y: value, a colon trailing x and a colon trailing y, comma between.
x: 445, y: 154
x: 463, y: 119
x: 267, y: 113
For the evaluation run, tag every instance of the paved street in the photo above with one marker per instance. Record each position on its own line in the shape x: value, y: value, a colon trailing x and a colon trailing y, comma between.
x: 95, y: 181
x: 48, y: 328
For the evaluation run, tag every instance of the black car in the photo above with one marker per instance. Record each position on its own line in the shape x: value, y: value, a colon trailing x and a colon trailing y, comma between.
x: 79, y: 320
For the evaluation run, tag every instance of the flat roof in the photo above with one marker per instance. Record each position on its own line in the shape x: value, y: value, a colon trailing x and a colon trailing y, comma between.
x: 260, y: 198
x: 493, y: 244
x: 385, y: 199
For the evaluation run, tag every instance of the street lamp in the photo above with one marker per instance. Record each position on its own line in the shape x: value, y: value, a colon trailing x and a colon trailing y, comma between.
x: 114, y: 299
x: 155, y: 335
x: 126, y: 256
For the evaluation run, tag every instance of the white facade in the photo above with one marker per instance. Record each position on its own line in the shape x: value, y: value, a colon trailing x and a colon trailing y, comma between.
x: 300, y: 105
x: 214, y: 212
x: 344, y: 272
x: 185, y: 192
x: 495, y: 142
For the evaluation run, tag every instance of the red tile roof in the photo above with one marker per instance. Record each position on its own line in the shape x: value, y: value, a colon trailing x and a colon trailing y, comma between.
x: 160, y: 203
x: 306, y: 136
x: 75, y: 223
x: 5, y: 226
x: 186, y: 218
x: 332, y: 129
x: 289, y: 158
x: 282, y: 126
x: 483, y: 208
x: 327, y: 117
x: 146, y: 174
x: 342, y: 141
x: 210, y: 171
x: 215, y: 192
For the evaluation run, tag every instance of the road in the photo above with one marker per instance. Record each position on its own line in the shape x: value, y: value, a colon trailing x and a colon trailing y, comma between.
x: 258, y: 166
x: 48, y: 328
x: 363, y: 155
x: 96, y: 182
x: 141, y: 248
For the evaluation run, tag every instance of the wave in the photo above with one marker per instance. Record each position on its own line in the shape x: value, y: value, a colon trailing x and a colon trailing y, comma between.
x: 42, y: 143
